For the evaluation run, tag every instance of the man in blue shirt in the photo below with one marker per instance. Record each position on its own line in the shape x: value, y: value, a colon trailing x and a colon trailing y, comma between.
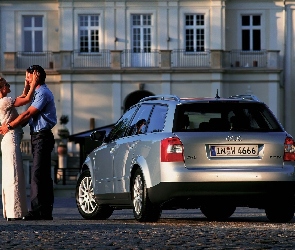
x: 41, y: 116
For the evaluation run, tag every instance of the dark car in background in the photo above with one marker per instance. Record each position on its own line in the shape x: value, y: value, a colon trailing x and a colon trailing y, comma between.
x: 212, y: 154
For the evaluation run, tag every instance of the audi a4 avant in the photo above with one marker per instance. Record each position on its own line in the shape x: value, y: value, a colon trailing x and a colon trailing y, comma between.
x: 213, y: 154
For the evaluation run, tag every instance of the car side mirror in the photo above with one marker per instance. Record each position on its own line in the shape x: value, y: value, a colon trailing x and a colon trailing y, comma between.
x: 98, y: 135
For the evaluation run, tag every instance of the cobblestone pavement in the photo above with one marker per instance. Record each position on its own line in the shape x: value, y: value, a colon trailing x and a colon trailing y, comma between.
x: 179, y: 229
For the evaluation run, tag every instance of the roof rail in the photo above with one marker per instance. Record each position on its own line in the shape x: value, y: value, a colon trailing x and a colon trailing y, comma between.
x: 161, y: 97
x: 245, y: 97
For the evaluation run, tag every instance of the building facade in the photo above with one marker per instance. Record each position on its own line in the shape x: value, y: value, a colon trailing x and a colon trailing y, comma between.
x: 103, y: 56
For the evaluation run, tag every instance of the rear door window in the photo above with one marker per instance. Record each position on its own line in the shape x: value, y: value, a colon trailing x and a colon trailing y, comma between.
x: 139, y: 123
x: 158, y: 118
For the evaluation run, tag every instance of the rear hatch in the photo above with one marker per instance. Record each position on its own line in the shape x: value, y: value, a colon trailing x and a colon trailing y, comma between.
x: 229, y: 134
x: 232, y: 149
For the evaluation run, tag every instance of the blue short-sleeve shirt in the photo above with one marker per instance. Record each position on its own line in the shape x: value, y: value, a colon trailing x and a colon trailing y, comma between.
x: 43, y: 100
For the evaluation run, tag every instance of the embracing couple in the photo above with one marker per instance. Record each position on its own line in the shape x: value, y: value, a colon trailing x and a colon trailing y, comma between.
x: 41, y: 116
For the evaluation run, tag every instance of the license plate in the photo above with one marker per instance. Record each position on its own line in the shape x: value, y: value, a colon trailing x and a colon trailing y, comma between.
x: 233, y: 150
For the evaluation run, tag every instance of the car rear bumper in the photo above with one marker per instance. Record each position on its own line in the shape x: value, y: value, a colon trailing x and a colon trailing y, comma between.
x: 245, y: 187
x: 228, y: 174
x: 251, y: 194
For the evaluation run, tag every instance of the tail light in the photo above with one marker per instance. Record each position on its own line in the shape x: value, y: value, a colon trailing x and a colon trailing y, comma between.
x: 171, y: 150
x: 289, y: 154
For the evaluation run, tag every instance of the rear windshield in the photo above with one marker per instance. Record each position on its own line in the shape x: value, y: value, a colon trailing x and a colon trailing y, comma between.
x: 225, y: 116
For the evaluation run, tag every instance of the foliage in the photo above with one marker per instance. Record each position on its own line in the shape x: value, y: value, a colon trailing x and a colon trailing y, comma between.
x: 64, y: 119
x: 63, y: 132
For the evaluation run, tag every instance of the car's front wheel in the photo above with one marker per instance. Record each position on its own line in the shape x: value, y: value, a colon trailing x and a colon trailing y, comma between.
x: 143, y: 209
x: 86, y: 203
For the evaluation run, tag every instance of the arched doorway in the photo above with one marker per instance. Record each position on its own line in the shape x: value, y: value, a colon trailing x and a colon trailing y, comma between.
x: 135, y: 97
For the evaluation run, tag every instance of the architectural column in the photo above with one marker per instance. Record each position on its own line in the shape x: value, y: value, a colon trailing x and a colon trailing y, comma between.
x: 162, y: 29
x: 63, y: 60
x: 66, y: 99
x: 174, y: 37
x: 9, y: 60
x: 273, y: 94
x: 116, y: 59
x: 110, y: 32
x: 165, y: 59
x: 120, y: 25
x: 67, y: 25
x: 66, y: 104
x: 288, y: 69
x: 216, y: 59
x: 217, y: 25
x: 166, y: 84
x: 273, y: 59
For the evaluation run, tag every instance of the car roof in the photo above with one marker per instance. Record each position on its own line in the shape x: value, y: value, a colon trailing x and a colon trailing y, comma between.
x: 174, y: 98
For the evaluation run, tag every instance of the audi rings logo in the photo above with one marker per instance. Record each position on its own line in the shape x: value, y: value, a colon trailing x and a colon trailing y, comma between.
x: 233, y: 138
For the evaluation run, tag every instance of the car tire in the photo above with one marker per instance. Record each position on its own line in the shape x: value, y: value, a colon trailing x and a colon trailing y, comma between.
x: 143, y: 209
x: 87, y: 206
x: 280, y: 214
x: 218, y: 212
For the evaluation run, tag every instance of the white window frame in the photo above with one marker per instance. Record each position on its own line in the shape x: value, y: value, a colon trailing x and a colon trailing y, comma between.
x: 141, y: 27
x: 153, y: 28
x: 89, y: 28
x: 261, y: 13
x: 200, y: 11
x: 142, y: 59
x: 251, y: 28
x: 20, y: 29
x: 101, y: 33
x: 32, y: 30
x: 195, y: 27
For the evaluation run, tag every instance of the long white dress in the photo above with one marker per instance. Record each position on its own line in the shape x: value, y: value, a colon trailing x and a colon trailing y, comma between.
x: 13, y: 178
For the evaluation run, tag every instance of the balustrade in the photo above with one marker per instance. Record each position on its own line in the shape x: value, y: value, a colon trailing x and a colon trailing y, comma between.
x: 164, y: 59
x: 61, y: 176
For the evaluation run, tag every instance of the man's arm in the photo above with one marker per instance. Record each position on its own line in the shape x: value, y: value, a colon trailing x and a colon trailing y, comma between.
x: 22, y: 118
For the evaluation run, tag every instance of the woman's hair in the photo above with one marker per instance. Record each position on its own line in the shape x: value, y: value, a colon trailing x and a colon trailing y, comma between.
x: 40, y: 70
x: 2, y: 82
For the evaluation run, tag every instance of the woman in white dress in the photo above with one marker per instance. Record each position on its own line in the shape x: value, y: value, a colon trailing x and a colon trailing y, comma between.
x: 13, y: 179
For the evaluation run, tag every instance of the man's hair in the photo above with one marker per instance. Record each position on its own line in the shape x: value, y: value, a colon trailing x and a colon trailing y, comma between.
x: 39, y: 69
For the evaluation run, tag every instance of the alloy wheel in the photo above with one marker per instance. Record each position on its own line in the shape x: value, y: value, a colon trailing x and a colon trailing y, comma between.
x: 138, y: 194
x: 86, y: 196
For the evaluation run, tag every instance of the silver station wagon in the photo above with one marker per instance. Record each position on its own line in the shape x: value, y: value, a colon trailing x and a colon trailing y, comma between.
x: 212, y: 154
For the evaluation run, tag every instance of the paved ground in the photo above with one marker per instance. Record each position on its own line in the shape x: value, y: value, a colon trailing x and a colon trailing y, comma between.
x: 180, y: 229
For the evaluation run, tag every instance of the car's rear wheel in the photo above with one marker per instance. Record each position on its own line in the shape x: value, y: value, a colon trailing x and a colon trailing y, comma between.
x: 280, y: 213
x: 218, y: 212
x: 86, y: 203
x: 143, y: 209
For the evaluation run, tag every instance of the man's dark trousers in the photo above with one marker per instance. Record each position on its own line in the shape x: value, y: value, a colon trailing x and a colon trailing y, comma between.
x: 42, y: 196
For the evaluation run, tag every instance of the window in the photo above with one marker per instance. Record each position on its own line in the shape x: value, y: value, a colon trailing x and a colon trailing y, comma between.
x: 251, y: 32
x: 227, y: 116
x: 122, y: 125
x: 194, y: 33
x: 158, y: 118
x: 139, y: 122
x: 141, y: 33
x: 33, y: 33
x: 89, y: 33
